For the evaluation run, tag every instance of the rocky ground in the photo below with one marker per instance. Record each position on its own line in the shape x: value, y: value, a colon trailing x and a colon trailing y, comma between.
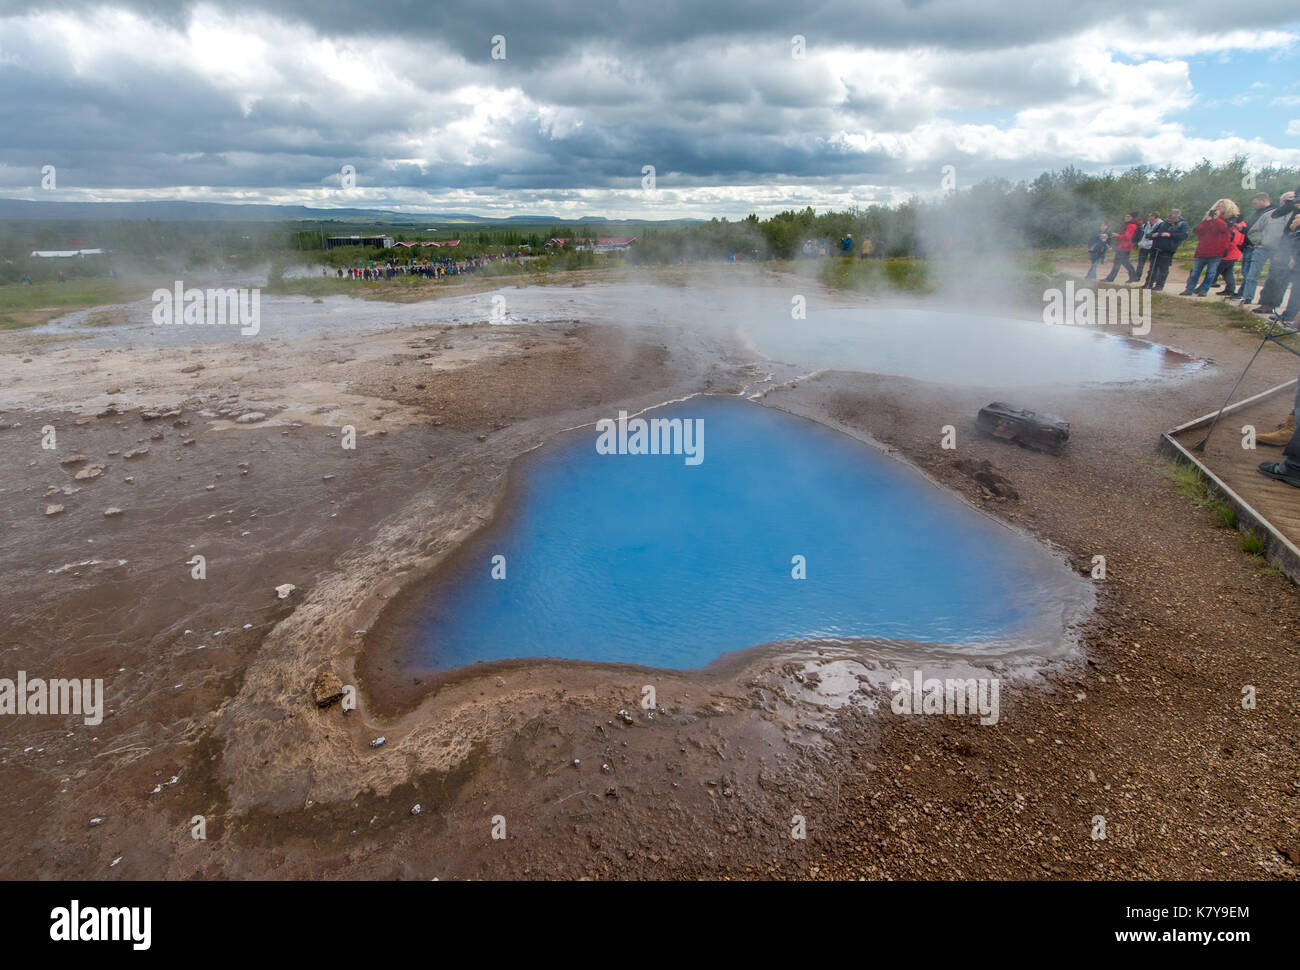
x: 235, y: 453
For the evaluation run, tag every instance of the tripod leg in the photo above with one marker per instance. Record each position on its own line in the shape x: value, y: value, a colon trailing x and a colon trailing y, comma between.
x: 1200, y: 445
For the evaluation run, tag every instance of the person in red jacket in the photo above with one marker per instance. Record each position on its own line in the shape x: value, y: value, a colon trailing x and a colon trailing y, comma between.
x: 1123, y: 246
x: 1237, y: 229
x: 1213, y: 236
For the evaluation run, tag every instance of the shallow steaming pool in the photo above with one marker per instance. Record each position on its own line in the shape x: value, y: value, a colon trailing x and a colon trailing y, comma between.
x: 650, y: 559
x: 965, y: 349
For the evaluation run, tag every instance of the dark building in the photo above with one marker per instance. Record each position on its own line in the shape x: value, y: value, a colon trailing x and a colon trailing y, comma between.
x: 375, y: 242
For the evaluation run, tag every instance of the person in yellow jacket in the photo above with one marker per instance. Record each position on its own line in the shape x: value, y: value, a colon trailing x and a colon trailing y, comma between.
x: 865, y: 252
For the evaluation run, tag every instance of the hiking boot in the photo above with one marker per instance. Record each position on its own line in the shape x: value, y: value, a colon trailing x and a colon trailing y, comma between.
x: 1279, y: 436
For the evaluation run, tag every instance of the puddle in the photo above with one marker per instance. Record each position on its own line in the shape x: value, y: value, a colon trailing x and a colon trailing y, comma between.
x: 965, y: 349
x: 646, y: 559
x: 969, y: 349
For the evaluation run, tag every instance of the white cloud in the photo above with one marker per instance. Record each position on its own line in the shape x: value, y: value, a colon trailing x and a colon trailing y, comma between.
x: 737, y: 125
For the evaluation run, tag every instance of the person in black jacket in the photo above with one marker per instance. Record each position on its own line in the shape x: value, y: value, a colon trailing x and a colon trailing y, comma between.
x: 1168, y: 236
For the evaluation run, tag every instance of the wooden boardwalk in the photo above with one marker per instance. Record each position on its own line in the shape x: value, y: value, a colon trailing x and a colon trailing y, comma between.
x: 1270, y: 508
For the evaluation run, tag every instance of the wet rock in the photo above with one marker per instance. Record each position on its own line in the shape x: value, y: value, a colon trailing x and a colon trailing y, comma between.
x: 250, y: 417
x: 1031, y: 429
x: 136, y: 452
x: 150, y: 415
x: 53, y: 509
x: 112, y: 511
x: 114, y: 390
x: 90, y: 471
x: 191, y: 368
x: 326, y: 689
x: 73, y: 460
x: 984, y: 473
x: 284, y: 591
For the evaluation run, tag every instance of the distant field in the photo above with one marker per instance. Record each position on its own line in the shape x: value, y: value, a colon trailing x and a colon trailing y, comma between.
x: 24, y: 305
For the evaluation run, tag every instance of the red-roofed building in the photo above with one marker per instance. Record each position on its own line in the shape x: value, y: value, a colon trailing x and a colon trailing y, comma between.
x: 600, y: 244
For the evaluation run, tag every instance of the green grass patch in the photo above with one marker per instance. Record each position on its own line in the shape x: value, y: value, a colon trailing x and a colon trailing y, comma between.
x: 1251, y: 544
x: 29, y: 305
x: 905, y: 275
x: 1201, y: 493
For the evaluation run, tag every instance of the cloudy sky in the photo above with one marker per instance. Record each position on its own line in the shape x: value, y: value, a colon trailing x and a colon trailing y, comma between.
x: 268, y: 101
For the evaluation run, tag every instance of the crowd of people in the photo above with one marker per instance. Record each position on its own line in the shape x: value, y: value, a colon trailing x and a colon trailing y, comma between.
x: 1268, y: 238
x: 434, y: 268
x: 1265, y: 243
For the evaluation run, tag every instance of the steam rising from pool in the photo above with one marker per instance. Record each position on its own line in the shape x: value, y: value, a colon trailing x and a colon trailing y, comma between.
x: 722, y: 320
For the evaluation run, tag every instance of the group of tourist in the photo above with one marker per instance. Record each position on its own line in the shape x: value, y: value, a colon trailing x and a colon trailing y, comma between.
x: 1266, y: 244
x: 431, y: 269
x: 1267, y: 238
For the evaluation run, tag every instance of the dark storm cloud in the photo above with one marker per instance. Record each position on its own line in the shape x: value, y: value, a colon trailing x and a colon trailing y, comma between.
x: 706, y: 92
x: 546, y: 29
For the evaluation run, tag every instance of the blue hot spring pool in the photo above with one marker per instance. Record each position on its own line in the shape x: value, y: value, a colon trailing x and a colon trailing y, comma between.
x: 648, y: 559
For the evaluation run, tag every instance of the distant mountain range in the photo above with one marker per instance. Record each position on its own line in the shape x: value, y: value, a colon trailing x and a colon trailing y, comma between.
x: 167, y: 211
